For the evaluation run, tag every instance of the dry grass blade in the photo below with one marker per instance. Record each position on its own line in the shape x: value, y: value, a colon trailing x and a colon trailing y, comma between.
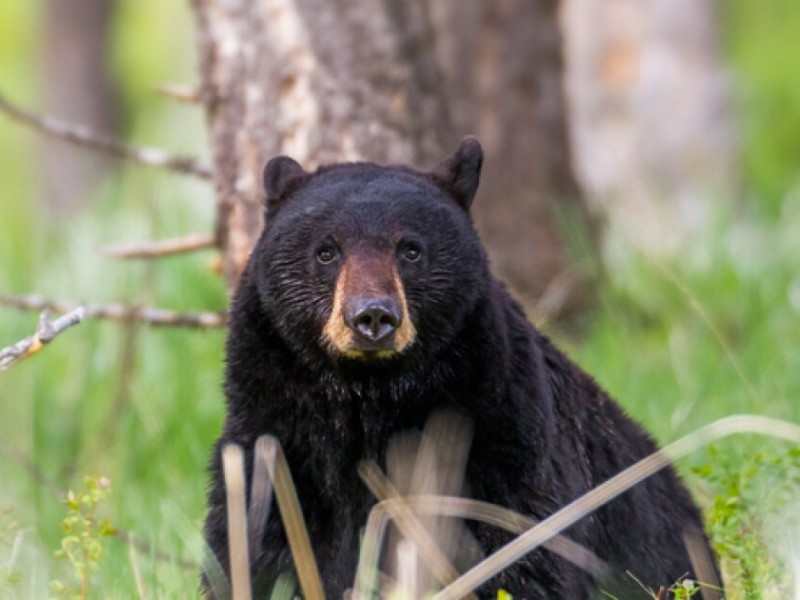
x: 293, y: 522
x: 137, y: 574
x: 702, y: 563
x: 513, y: 522
x: 233, y: 467
x: 260, y: 494
x: 605, y: 492
x: 407, y: 523
x: 465, y: 508
x: 367, y: 574
x: 438, y: 469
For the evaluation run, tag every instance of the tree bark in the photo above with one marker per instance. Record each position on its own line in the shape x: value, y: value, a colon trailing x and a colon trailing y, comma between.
x: 396, y: 82
x: 79, y: 89
x: 320, y: 80
x: 651, y: 118
x: 504, y: 77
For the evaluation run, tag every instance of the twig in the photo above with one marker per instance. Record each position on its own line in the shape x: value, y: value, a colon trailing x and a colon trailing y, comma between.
x: 45, y: 333
x: 181, y: 93
x: 157, y: 317
x: 623, y: 481
x: 82, y: 135
x: 159, y: 248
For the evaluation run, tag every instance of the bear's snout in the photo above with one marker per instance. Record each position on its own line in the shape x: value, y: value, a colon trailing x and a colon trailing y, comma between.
x: 374, y: 319
x: 369, y: 316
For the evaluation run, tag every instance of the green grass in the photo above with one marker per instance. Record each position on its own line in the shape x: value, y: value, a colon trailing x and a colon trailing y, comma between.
x: 680, y: 342
x: 759, y: 38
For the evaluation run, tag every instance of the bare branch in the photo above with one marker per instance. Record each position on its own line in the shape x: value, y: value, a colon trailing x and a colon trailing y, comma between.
x: 45, y: 333
x: 157, y: 317
x: 159, y: 248
x: 181, y: 93
x: 83, y: 136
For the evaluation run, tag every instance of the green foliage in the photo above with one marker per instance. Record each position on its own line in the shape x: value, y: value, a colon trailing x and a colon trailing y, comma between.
x: 759, y: 38
x: 681, y: 342
x: 10, y: 540
x: 85, y: 536
x: 687, y: 588
x: 745, y: 490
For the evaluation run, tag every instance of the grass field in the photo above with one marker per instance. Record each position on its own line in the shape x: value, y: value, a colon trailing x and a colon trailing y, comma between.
x: 680, y: 342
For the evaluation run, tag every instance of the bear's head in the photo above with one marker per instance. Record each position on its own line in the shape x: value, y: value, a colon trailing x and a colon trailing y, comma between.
x: 366, y: 263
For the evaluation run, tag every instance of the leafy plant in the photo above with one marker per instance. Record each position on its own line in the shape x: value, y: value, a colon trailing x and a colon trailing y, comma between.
x: 744, y: 489
x: 84, y: 535
x: 10, y: 538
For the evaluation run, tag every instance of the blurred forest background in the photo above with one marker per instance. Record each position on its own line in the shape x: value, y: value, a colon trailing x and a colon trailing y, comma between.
x: 641, y: 194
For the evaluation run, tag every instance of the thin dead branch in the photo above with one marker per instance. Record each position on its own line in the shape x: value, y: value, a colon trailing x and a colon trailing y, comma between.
x: 82, y: 135
x: 157, y: 317
x: 181, y: 93
x: 160, y: 248
x: 47, y: 330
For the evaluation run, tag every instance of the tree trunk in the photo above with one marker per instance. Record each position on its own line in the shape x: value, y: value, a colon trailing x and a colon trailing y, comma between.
x: 651, y: 115
x: 332, y: 80
x: 504, y: 76
x: 320, y: 80
x: 78, y: 88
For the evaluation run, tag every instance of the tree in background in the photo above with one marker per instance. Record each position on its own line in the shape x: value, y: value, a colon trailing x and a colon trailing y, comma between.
x: 651, y: 115
x: 78, y: 86
x: 398, y: 82
x: 401, y: 82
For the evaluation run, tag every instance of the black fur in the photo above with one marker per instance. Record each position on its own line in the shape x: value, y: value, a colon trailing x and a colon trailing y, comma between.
x: 544, y: 433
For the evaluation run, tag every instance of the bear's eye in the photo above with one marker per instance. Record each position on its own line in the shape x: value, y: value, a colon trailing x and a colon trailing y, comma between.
x: 411, y: 252
x: 326, y: 255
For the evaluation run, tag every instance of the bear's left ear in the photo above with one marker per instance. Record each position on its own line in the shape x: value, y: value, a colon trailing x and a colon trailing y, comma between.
x: 460, y: 173
x: 278, y: 174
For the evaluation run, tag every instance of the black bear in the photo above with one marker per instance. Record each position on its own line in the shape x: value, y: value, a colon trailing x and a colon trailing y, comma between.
x: 366, y: 305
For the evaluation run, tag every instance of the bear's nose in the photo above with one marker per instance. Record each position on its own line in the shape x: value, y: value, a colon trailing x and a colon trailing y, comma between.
x: 374, y: 319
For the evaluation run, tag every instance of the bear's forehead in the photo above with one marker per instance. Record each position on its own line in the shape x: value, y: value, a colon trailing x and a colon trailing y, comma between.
x: 354, y: 184
x: 378, y: 196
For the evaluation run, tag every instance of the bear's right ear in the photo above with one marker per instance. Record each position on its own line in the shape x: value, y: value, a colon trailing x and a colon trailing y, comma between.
x: 278, y: 174
x: 460, y: 172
